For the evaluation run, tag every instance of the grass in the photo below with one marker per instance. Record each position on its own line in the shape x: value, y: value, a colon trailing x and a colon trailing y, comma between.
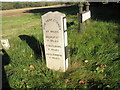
x: 93, y: 55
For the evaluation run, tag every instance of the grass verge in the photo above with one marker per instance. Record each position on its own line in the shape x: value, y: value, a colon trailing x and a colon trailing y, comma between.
x: 93, y: 55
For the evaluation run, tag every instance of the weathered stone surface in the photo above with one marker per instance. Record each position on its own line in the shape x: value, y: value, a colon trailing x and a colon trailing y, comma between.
x: 55, y: 40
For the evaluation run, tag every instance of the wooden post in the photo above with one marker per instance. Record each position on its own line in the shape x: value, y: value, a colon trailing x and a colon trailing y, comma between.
x: 87, y: 6
x: 80, y: 17
x: 87, y: 9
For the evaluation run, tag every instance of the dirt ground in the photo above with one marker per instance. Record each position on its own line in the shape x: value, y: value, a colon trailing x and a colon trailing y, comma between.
x: 18, y: 12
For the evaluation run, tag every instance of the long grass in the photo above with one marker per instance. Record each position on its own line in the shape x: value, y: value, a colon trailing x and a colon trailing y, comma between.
x: 93, y: 55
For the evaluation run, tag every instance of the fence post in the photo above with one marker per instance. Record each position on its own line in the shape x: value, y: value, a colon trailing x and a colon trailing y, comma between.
x: 87, y: 6
x: 80, y: 17
x: 87, y: 9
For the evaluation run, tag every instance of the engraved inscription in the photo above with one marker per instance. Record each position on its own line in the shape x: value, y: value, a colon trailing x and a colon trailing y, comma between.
x: 52, y: 36
x: 51, y: 20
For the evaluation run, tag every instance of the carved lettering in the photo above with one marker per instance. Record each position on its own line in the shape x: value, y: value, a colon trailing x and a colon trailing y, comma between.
x: 52, y: 20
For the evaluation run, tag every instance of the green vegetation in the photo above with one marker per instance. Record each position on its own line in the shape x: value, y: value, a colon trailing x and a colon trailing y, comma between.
x: 93, y: 55
x: 16, y: 5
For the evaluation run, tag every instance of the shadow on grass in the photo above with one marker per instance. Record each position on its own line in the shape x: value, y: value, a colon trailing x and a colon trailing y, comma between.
x: 105, y: 12
x: 116, y: 59
x: 5, y: 61
x: 35, y: 45
x: 99, y: 11
x: 65, y: 9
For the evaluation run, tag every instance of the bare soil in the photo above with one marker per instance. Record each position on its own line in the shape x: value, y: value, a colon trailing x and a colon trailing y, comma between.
x: 19, y: 12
